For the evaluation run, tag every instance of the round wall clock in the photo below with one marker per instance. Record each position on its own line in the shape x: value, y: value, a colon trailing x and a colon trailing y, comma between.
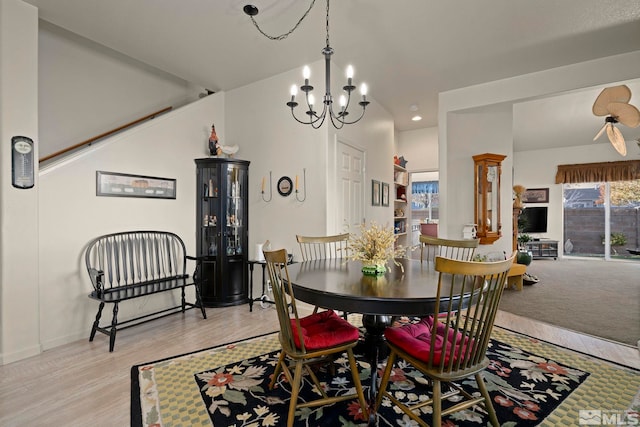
x: 285, y: 186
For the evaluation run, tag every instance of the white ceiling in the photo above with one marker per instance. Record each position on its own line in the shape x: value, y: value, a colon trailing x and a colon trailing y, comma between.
x: 407, y: 51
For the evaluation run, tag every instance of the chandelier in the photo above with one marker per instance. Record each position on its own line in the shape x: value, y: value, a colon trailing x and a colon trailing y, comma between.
x: 315, y: 119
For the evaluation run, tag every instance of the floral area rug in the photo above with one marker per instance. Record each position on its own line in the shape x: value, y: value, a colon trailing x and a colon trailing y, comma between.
x: 530, y: 382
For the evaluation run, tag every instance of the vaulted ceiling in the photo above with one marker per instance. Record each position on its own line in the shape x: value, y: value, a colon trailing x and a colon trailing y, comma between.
x: 407, y: 51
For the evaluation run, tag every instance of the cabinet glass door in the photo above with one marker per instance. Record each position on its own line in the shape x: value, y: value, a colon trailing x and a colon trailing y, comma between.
x: 210, y: 206
x: 235, y: 215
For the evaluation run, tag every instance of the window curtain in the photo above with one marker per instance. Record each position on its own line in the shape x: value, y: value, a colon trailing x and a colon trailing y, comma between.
x: 598, y: 172
x: 425, y: 187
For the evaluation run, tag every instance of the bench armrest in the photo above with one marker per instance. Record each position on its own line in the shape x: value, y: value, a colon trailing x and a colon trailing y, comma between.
x: 97, y: 279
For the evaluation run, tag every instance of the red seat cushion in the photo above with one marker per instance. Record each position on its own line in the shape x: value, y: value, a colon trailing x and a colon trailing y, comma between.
x: 324, y: 329
x: 415, y: 339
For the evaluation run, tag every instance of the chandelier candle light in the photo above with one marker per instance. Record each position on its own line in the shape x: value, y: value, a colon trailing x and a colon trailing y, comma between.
x: 338, y: 119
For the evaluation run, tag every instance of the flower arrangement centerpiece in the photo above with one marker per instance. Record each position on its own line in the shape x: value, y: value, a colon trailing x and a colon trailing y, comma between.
x: 374, y: 246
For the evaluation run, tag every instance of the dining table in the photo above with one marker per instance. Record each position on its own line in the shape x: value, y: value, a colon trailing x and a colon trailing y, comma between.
x: 407, y: 288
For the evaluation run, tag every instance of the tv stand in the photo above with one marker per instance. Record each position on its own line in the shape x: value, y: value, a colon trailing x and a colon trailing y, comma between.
x: 543, y: 248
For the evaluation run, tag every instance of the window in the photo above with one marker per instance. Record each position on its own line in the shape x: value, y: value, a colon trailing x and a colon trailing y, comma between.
x: 425, y: 201
x: 602, y: 219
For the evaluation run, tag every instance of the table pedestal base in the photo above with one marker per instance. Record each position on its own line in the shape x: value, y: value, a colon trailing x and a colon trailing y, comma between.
x: 374, y: 349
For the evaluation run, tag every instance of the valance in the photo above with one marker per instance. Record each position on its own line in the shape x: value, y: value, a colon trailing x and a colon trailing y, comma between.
x: 599, y: 172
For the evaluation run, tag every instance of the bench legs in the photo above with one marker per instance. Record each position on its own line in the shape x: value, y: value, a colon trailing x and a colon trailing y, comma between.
x: 94, y: 329
x: 114, y: 323
x: 112, y: 331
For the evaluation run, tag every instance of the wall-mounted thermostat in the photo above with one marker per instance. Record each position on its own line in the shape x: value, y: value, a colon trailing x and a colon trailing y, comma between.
x: 22, y: 162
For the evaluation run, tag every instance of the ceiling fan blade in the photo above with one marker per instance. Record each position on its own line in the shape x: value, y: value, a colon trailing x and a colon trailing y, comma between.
x: 608, y: 95
x: 617, y: 140
x: 600, y: 131
x: 626, y: 114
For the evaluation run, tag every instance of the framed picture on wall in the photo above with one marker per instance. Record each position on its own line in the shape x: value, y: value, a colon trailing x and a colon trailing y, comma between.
x: 385, y: 194
x: 375, y: 193
x: 536, y: 195
x: 126, y: 185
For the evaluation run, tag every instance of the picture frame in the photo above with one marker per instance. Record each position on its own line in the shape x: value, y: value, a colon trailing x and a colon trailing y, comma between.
x: 385, y: 194
x: 375, y: 192
x: 536, y: 195
x: 114, y: 184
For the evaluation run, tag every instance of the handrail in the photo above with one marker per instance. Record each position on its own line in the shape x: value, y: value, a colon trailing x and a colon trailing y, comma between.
x: 102, y: 135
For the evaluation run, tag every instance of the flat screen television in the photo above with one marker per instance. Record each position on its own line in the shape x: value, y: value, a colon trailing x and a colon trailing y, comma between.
x: 533, y: 220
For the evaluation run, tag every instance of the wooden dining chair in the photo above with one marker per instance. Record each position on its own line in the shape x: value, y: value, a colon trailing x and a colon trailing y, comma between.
x: 324, y: 247
x: 447, y: 350
x: 317, y: 338
x: 462, y: 250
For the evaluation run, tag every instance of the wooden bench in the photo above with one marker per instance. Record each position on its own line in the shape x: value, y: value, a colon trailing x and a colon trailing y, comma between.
x: 136, y: 264
x: 514, y: 277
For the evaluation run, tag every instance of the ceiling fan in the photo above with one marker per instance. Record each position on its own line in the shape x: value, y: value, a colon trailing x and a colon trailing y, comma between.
x: 613, y: 102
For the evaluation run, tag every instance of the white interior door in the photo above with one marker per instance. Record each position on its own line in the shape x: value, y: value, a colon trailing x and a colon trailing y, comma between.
x: 350, y: 183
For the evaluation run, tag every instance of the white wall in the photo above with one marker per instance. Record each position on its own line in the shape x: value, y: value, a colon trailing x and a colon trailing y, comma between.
x: 70, y: 213
x: 471, y: 133
x: 261, y: 124
x: 86, y: 89
x: 19, y: 335
x: 420, y: 148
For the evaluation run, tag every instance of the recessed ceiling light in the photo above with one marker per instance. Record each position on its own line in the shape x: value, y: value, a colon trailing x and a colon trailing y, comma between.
x: 416, y: 118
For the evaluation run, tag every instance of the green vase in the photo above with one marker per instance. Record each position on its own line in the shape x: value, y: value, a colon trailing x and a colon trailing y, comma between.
x: 524, y: 257
x: 374, y: 269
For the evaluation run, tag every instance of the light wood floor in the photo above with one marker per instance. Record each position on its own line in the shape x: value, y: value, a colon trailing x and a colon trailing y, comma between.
x: 82, y: 384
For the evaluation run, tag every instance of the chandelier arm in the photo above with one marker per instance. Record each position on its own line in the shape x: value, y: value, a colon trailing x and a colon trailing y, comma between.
x: 320, y: 118
x: 297, y: 119
x: 335, y: 120
x: 344, y: 111
x: 342, y: 120
x: 313, y: 117
x: 313, y: 113
x: 284, y: 35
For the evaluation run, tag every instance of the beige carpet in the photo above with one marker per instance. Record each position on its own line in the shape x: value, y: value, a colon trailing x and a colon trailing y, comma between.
x: 591, y: 296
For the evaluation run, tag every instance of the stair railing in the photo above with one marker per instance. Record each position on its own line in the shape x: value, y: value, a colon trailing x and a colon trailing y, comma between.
x: 105, y: 134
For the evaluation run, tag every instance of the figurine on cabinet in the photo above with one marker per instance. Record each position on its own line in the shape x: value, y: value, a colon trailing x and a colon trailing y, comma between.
x: 214, y: 145
x: 216, y: 149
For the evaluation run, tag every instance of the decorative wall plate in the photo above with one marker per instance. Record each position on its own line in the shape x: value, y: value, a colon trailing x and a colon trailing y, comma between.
x: 285, y: 186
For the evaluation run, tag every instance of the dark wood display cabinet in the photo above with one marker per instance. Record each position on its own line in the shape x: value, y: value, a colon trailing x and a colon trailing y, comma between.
x: 222, y: 221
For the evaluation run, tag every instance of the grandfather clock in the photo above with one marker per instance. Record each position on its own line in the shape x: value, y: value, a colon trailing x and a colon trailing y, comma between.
x: 488, y: 168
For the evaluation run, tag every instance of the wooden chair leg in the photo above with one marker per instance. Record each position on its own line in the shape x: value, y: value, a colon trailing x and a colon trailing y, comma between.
x: 356, y: 381
x: 276, y: 373
x: 385, y: 378
x: 295, y: 389
x: 437, y: 403
x: 487, y: 400
x: 96, y: 322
